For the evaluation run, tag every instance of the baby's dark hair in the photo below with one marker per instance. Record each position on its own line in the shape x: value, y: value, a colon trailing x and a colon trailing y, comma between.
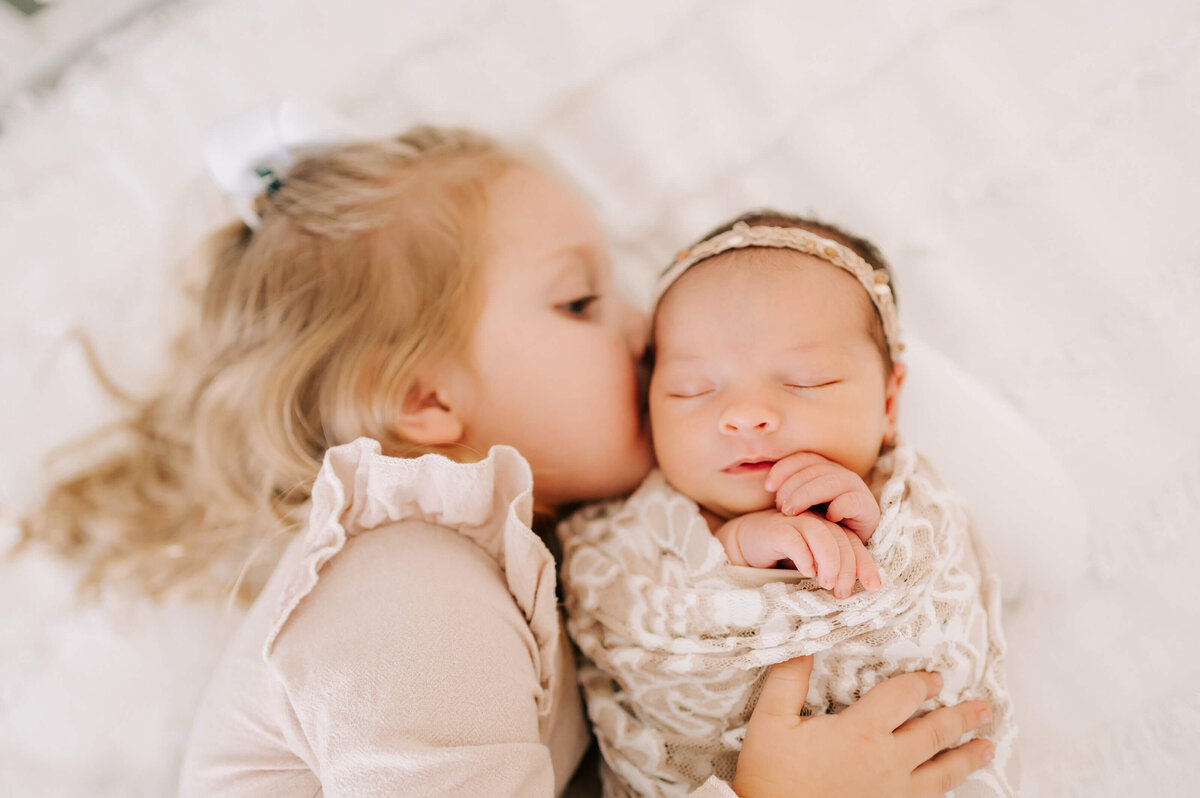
x: 768, y: 217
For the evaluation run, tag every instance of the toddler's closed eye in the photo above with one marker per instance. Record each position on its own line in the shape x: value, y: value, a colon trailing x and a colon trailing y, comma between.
x: 578, y: 306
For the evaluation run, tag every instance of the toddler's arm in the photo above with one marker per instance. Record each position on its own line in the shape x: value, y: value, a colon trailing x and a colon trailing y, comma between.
x: 816, y: 547
x: 807, y: 479
x: 409, y: 671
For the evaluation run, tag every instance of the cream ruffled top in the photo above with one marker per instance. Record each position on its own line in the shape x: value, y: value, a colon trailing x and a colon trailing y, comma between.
x: 490, y: 503
x: 408, y: 644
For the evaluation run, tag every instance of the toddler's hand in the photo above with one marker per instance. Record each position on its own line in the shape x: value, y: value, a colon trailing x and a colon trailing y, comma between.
x: 805, y: 479
x: 817, y: 547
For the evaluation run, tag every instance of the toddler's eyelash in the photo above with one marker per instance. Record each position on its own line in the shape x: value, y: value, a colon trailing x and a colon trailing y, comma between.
x: 577, y: 307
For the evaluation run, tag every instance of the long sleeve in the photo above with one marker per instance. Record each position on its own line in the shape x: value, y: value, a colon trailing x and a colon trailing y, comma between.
x: 410, y: 671
x: 408, y: 643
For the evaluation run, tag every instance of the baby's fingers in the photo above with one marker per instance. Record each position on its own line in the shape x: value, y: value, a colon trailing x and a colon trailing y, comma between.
x: 762, y: 544
x: 864, y: 563
x: 847, y: 565
x: 825, y: 549
x: 790, y: 466
x: 857, y: 510
x: 817, y: 484
x: 794, y: 548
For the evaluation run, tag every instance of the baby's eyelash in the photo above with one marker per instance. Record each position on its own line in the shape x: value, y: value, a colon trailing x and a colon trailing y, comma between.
x: 815, y: 385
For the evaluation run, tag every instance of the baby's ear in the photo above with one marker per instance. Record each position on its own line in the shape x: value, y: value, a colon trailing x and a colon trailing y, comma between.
x: 891, y: 398
x: 428, y: 415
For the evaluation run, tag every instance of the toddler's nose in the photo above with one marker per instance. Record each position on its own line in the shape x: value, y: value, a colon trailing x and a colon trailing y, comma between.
x: 748, y: 417
x: 635, y: 326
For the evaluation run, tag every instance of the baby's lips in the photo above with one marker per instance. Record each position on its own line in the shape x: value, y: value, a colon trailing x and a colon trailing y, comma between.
x: 770, y: 483
x: 750, y: 465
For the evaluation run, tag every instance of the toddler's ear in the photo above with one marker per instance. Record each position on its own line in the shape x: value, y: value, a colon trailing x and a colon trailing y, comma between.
x: 428, y: 418
x: 891, y: 396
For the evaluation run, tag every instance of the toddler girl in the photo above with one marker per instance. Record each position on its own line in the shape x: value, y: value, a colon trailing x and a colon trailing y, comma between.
x: 400, y: 315
x: 773, y: 405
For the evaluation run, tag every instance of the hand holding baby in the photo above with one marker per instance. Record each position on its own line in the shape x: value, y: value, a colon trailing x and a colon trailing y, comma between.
x: 827, y: 547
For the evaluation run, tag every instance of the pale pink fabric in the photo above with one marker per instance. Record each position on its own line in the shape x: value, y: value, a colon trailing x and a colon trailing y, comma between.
x: 409, y: 643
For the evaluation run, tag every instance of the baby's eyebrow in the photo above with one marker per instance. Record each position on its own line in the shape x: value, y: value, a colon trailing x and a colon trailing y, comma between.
x: 806, y: 346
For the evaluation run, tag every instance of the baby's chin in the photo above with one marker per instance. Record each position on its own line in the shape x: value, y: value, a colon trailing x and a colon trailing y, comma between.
x: 728, y: 507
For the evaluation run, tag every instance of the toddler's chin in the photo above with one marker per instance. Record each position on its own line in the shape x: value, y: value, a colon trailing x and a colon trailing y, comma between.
x: 623, y: 476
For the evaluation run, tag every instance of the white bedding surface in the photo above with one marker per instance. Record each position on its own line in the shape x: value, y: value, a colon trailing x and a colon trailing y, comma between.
x: 1030, y: 171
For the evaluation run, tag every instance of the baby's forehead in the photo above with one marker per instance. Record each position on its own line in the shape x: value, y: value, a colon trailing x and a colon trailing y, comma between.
x: 755, y: 279
x: 763, y: 308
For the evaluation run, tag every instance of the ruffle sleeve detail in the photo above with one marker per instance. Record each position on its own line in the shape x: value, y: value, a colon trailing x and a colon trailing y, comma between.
x: 490, y: 502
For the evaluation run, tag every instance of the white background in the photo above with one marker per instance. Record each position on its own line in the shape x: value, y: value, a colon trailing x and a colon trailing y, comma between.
x: 1031, y: 171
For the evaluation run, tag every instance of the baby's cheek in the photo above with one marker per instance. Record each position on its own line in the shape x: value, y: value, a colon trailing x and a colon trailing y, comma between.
x: 676, y: 463
x: 671, y: 441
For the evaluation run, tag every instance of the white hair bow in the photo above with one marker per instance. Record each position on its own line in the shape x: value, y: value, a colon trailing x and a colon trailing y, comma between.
x: 251, y: 154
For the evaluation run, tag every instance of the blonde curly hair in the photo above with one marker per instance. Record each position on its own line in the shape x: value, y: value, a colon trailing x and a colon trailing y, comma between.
x: 308, y: 332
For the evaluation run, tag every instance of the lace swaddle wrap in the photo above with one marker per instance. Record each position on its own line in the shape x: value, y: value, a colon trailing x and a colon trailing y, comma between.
x: 678, y: 640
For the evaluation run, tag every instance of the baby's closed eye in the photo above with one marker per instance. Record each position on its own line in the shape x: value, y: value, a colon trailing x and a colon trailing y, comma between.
x: 689, y: 390
x: 808, y: 385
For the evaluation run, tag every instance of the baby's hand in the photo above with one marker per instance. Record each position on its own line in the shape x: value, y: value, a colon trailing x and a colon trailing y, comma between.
x: 817, y: 547
x: 805, y: 479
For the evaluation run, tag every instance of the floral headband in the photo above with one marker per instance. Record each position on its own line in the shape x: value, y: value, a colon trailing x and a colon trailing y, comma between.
x: 875, y: 281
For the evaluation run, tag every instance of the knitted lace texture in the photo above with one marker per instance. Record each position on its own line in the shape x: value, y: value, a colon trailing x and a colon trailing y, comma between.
x: 676, y: 640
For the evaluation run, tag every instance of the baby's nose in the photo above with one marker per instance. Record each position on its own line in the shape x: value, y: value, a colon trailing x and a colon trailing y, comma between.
x: 749, y: 417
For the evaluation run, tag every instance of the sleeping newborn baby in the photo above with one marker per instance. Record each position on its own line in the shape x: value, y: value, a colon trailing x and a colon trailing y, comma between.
x: 773, y: 405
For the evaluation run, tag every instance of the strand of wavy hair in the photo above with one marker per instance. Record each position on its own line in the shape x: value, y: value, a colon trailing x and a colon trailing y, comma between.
x: 308, y: 332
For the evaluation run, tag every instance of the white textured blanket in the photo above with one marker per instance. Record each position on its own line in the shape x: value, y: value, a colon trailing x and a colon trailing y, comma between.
x: 679, y: 640
x: 1039, y: 211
